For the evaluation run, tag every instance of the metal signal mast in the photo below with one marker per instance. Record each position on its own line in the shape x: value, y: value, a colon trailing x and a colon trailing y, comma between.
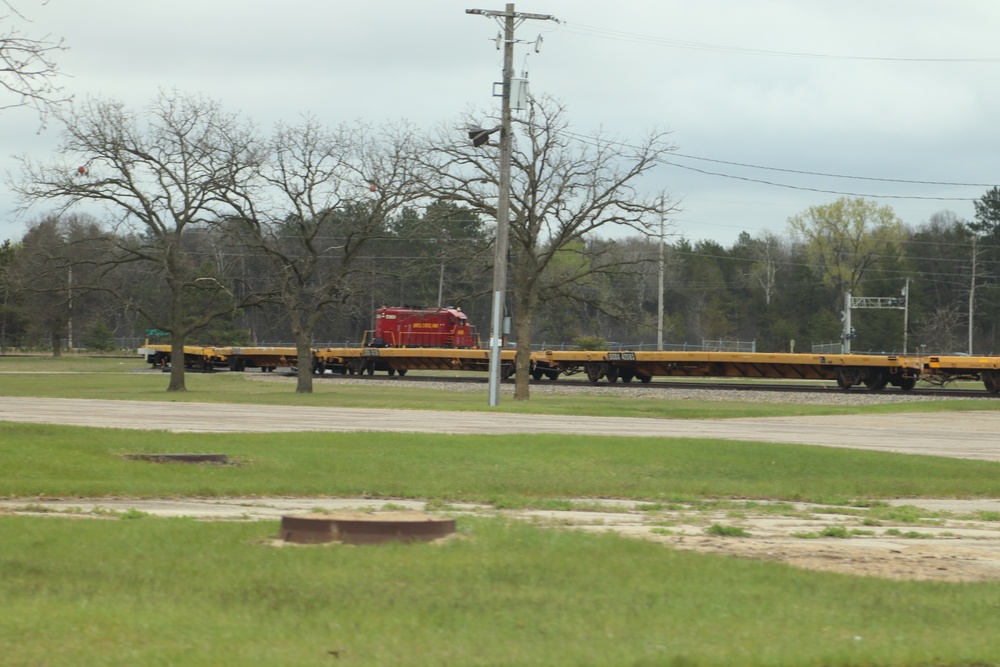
x: 879, y: 302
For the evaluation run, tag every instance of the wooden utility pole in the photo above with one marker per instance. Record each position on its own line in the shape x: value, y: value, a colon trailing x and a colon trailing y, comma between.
x: 503, y: 202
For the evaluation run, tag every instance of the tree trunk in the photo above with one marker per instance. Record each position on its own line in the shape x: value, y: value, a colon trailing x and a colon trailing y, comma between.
x: 523, y: 315
x: 56, y: 344
x: 303, y: 351
x: 176, y: 364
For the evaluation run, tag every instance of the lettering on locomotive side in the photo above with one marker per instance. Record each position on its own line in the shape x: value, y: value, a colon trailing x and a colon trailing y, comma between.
x: 621, y: 356
x: 426, y: 325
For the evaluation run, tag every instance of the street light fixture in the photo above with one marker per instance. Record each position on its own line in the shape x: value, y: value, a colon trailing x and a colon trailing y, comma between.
x: 480, y: 136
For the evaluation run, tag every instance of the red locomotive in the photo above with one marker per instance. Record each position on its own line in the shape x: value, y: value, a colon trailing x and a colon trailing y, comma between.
x: 423, y: 327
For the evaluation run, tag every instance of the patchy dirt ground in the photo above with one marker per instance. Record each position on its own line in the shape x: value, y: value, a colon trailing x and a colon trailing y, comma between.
x: 918, y: 541
x: 921, y: 539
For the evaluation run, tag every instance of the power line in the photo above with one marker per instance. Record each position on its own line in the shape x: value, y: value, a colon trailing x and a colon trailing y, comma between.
x: 829, y: 175
x: 811, y: 189
x: 597, y: 142
x: 605, y: 33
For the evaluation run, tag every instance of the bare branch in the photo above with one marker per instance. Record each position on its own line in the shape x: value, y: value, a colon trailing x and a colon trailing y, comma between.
x: 29, y: 73
x: 564, y: 188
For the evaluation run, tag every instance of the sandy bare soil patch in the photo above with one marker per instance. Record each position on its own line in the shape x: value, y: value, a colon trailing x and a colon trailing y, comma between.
x: 946, y: 540
x: 957, y: 544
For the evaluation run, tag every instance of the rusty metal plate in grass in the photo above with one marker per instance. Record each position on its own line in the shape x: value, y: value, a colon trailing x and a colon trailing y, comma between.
x: 364, y: 528
x: 180, y: 458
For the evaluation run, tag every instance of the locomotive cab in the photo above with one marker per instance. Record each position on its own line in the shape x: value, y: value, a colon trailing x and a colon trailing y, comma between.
x: 423, y: 327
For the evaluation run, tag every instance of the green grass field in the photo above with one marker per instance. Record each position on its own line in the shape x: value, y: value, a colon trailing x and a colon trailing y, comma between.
x: 178, y: 592
x: 101, y: 590
x: 77, y: 461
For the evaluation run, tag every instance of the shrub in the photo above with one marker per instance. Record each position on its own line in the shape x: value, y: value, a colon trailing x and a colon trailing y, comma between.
x: 596, y: 343
x: 99, y: 338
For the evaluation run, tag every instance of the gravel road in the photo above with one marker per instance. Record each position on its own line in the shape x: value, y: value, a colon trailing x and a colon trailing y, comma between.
x: 970, y: 435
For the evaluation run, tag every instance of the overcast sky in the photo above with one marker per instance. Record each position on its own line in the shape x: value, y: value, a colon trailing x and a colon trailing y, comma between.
x: 882, y: 91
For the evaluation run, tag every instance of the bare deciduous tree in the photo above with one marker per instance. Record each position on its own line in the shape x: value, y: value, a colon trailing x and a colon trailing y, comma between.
x: 28, y: 69
x: 763, y: 272
x: 324, y: 195
x: 564, y: 187
x: 941, y: 330
x: 159, y: 176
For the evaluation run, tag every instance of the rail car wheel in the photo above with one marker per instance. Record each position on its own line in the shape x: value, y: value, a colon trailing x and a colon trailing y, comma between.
x: 907, y: 383
x: 537, y: 374
x: 595, y: 372
x: 991, y: 380
x: 876, y: 379
x: 847, y: 378
x: 391, y: 371
x: 552, y: 375
x: 643, y: 378
x: 402, y: 371
x: 626, y: 375
x: 506, y: 371
x: 611, y: 373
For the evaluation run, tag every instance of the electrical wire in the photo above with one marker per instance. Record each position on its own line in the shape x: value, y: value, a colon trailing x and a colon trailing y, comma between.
x: 829, y: 175
x: 605, y: 33
x: 594, y: 142
x: 812, y: 189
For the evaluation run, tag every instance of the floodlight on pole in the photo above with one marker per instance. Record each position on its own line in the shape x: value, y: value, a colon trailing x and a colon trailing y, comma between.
x: 479, y: 135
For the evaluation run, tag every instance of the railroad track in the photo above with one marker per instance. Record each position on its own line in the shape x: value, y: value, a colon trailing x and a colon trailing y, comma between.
x: 666, y: 385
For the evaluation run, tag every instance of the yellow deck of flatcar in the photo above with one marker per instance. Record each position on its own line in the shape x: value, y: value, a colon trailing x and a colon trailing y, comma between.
x: 873, y: 371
